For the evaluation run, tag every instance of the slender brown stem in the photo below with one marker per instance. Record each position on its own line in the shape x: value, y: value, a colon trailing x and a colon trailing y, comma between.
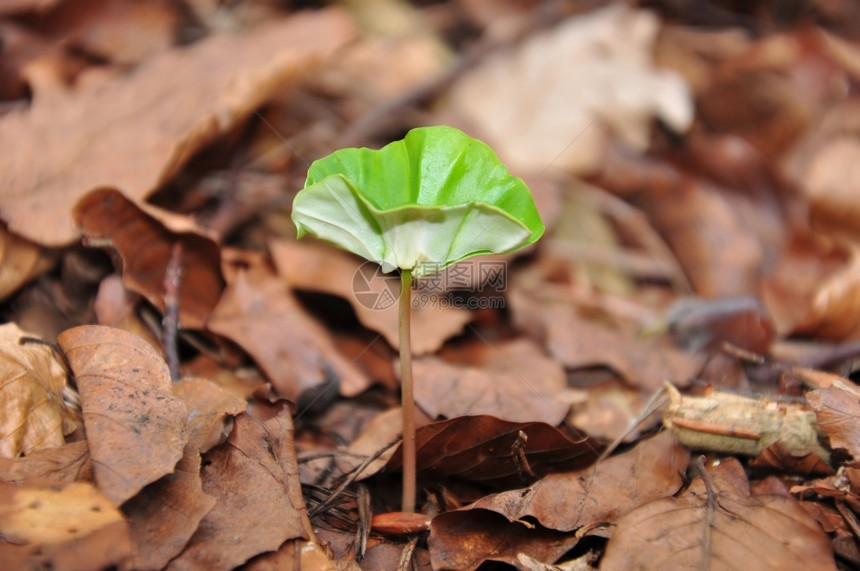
x: 407, y: 398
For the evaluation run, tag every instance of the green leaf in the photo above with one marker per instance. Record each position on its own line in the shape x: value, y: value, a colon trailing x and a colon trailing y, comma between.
x: 422, y: 204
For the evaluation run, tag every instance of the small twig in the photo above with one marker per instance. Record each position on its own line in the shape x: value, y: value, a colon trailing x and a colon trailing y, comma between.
x: 711, y: 504
x: 849, y: 517
x: 353, y: 474
x: 365, y: 515
x: 170, y: 322
x: 58, y: 351
x: 638, y: 224
x: 518, y: 451
x: 406, y: 556
x: 654, y: 403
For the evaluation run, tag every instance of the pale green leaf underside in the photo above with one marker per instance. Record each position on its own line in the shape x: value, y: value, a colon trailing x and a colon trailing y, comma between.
x: 423, y: 203
x: 424, y: 239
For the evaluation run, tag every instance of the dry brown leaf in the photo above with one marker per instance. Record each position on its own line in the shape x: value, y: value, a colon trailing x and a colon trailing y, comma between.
x: 837, y: 409
x: 293, y: 349
x: 166, y: 513
x: 577, y: 342
x: 135, y: 426
x: 33, y: 414
x: 21, y: 261
x: 20, y: 46
x: 465, y: 540
x: 789, y: 291
x: 135, y: 131
x: 603, y: 493
x: 608, y: 411
x: 210, y: 411
x: 16, y: 6
x: 297, y: 555
x: 717, y: 524
x: 486, y: 449
x: 254, y: 477
x: 721, y: 238
x: 69, y: 463
x: 63, y: 527
x: 144, y: 243
x: 513, y: 381
x: 318, y: 267
x: 224, y: 371
x: 116, y: 306
x: 114, y: 30
x: 608, y: 78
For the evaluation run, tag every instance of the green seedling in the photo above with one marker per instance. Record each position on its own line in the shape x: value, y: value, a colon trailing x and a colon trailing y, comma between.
x: 418, y: 205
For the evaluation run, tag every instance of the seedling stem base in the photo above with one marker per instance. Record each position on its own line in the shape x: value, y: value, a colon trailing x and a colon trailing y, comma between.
x: 407, y: 394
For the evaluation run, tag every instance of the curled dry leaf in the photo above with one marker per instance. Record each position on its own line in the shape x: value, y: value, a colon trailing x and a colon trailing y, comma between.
x: 70, y: 526
x: 144, y: 243
x: 487, y: 449
x: 465, y: 540
x: 135, y: 426
x: 602, y: 493
x: 289, y: 345
x: 20, y: 261
x: 736, y: 424
x: 33, y: 414
x: 838, y: 411
x: 254, y: 478
x: 512, y: 381
x: 717, y: 524
x: 135, y: 131
x: 318, y: 267
x: 608, y: 75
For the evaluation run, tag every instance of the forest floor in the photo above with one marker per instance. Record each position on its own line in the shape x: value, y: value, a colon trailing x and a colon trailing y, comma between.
x: 665, y: 380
